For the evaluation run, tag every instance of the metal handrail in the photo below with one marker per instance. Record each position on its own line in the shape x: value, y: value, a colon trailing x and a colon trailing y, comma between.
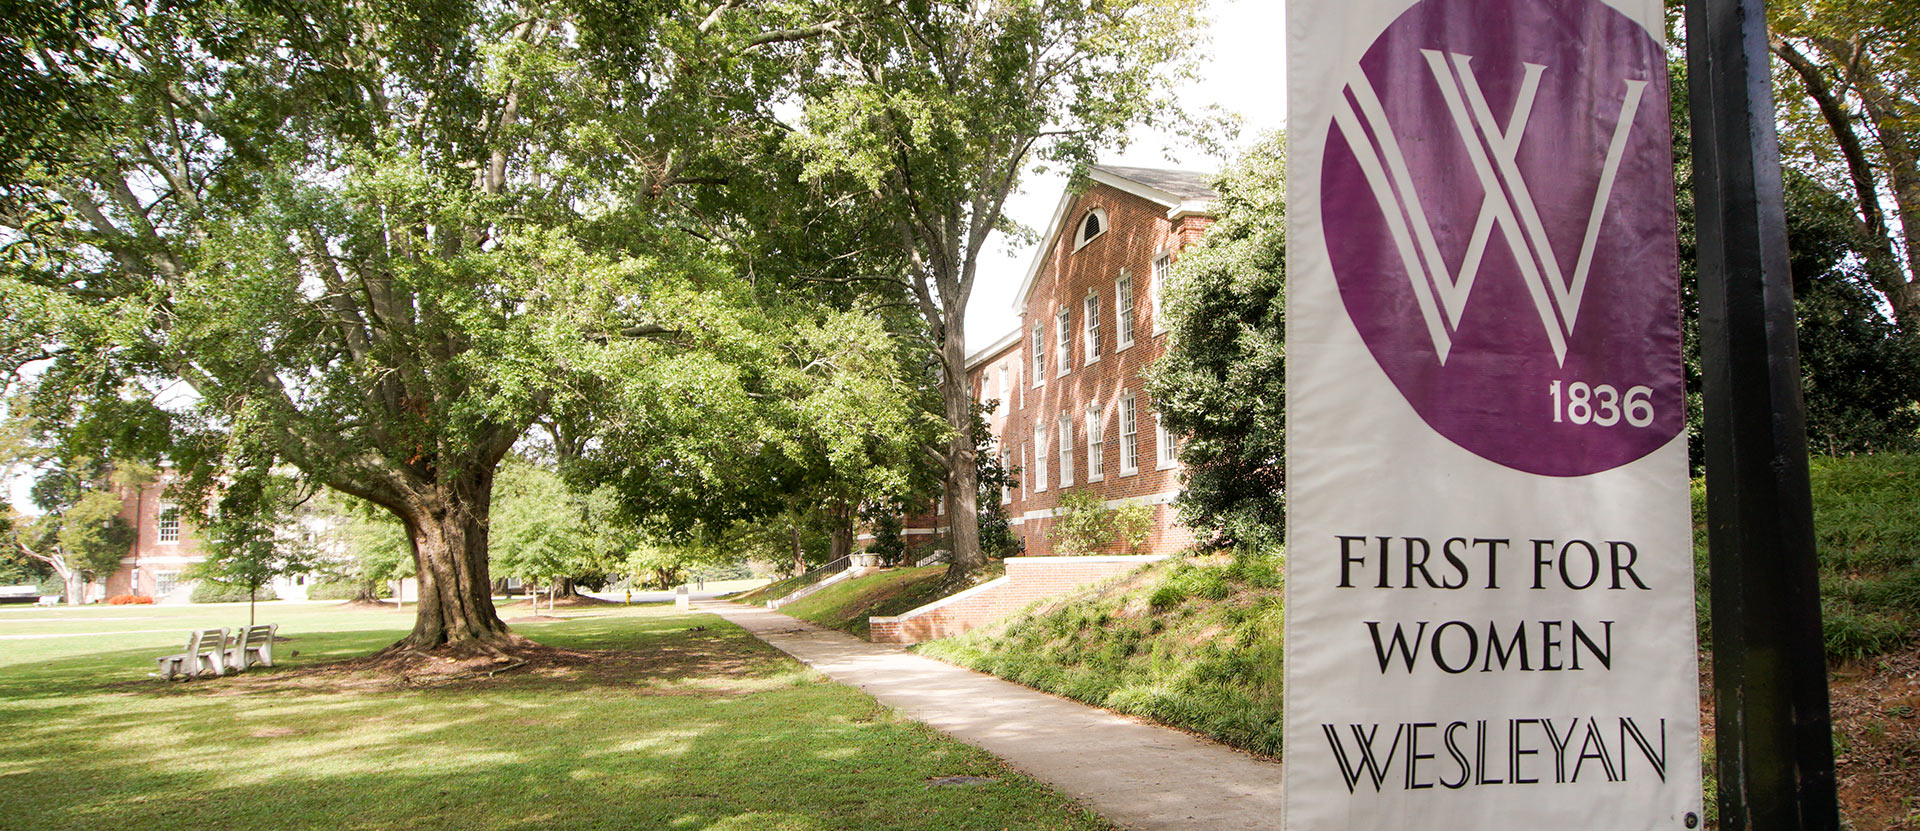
x: 814, y: 576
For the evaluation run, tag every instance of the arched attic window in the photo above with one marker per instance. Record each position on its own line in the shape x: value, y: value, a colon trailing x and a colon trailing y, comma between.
x: 1092, y: 225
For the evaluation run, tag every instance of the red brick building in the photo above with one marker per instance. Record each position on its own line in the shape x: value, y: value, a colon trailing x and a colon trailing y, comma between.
x: 1074, y: 412
x: 164, y: 545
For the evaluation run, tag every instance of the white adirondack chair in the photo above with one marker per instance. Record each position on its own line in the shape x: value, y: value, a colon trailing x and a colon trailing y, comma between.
x: 206, y: 653
x: 252, y: 646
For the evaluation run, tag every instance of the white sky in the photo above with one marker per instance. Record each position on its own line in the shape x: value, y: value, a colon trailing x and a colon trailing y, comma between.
x: 1245, y: 72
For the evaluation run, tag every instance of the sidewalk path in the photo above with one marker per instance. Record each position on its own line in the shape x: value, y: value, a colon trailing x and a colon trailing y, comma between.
x: 1138, y: 775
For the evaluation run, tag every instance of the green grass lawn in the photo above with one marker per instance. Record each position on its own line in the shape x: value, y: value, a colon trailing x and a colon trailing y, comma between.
x: 687, y: 723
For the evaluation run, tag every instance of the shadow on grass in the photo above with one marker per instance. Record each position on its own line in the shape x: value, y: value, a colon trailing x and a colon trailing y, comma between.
x: 769, y: 748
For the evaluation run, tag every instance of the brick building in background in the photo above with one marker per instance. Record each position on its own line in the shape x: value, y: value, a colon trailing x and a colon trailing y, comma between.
x: 166, y: 545
x: 1074, y: 414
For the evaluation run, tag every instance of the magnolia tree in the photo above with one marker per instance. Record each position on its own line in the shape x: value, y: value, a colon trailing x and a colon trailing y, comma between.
x: 1221, y: 384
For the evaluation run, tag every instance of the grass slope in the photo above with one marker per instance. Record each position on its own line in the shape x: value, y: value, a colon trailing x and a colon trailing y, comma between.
x: 688, y: 722
x: 772, y: 591
x: 1194, y: 643
x: 847, y: 605
x: 1866, y: 512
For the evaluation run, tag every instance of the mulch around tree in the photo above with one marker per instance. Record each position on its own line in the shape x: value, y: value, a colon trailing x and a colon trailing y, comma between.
x: 655, y: 670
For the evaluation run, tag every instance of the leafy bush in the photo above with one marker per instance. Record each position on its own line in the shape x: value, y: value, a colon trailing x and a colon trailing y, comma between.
x: 1084, y: 524
x: 129, y: 600
x: 214, y: 591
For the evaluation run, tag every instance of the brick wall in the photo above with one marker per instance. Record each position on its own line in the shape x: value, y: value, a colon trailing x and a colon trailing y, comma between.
x: 1138, y: 234
x: 148, y: 557
x: 1028, y: 579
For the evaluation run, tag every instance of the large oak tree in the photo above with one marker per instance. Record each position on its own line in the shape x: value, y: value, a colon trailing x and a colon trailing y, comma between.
x: 374, y: 241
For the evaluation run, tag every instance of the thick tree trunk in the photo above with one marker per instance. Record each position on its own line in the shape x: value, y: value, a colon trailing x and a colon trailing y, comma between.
x: 447, y: 524
x: 843, y: 531
x: 799, y: 553
x: 963, y: 479
x: 76, y: 588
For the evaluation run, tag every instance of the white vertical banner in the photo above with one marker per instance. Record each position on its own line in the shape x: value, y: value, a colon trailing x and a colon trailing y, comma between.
x: 1490, y: 617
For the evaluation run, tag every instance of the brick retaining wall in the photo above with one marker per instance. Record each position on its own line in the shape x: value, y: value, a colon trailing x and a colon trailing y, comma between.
x: 1028, y: 579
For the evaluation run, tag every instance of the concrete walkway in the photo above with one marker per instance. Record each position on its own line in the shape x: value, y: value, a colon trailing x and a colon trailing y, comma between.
x: 1138, y: 775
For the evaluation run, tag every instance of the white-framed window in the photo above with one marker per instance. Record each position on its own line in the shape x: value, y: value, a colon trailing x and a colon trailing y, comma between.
x: 1006, y: 493
x: 1096, y: 445
x: 1092, y: 225
x: 1123, y: 311
x: 1026, y: 462
x: 1129, y: 435
x: 1005, y: 381
x: 1092, y: 315
x: 168, y: 523
x: 1165, y: 450
x: 1066, y: 449
x: 164, y: 582
x: 1039, y: 455
x: 1063, y: 346
x: 1162, y: 271
x: 1039, y: 355
x: 986, y: 388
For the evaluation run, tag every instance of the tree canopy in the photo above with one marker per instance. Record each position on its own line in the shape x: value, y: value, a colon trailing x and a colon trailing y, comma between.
x: 375, y: 242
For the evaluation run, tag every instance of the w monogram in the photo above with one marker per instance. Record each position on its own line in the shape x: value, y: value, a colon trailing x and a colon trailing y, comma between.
x: 1507, y: 204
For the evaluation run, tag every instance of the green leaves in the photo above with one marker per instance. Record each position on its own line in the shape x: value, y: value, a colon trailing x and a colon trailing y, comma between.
x: 1221, y: 383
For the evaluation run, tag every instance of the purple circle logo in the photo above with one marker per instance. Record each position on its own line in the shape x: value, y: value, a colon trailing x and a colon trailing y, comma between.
x: 1498, y: 205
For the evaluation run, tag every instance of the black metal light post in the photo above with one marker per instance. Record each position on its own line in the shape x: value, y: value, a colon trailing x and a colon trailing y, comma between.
x: 1773, y: 732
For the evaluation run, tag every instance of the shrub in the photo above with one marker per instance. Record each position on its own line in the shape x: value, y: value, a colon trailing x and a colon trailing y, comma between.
x: 214, y: 591
x: 129, y: 600
x: 1085, y: 524
x: 887, y: 539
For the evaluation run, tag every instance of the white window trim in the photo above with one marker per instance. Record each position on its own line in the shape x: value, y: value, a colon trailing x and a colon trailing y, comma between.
x: 160, y: 522
x: 1079, y: 228
x: 1159, y: 290
x: 1129, y: 441
x: 1096, y: 445
x: 1162, y: 443
x: 1039, y: 353
x: 1090, y: 328
x: 1065, y: 448
x: 1123, y: 320
x: 1063, y: 340
x: 1005, y: 396
x: 1040, y: 455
